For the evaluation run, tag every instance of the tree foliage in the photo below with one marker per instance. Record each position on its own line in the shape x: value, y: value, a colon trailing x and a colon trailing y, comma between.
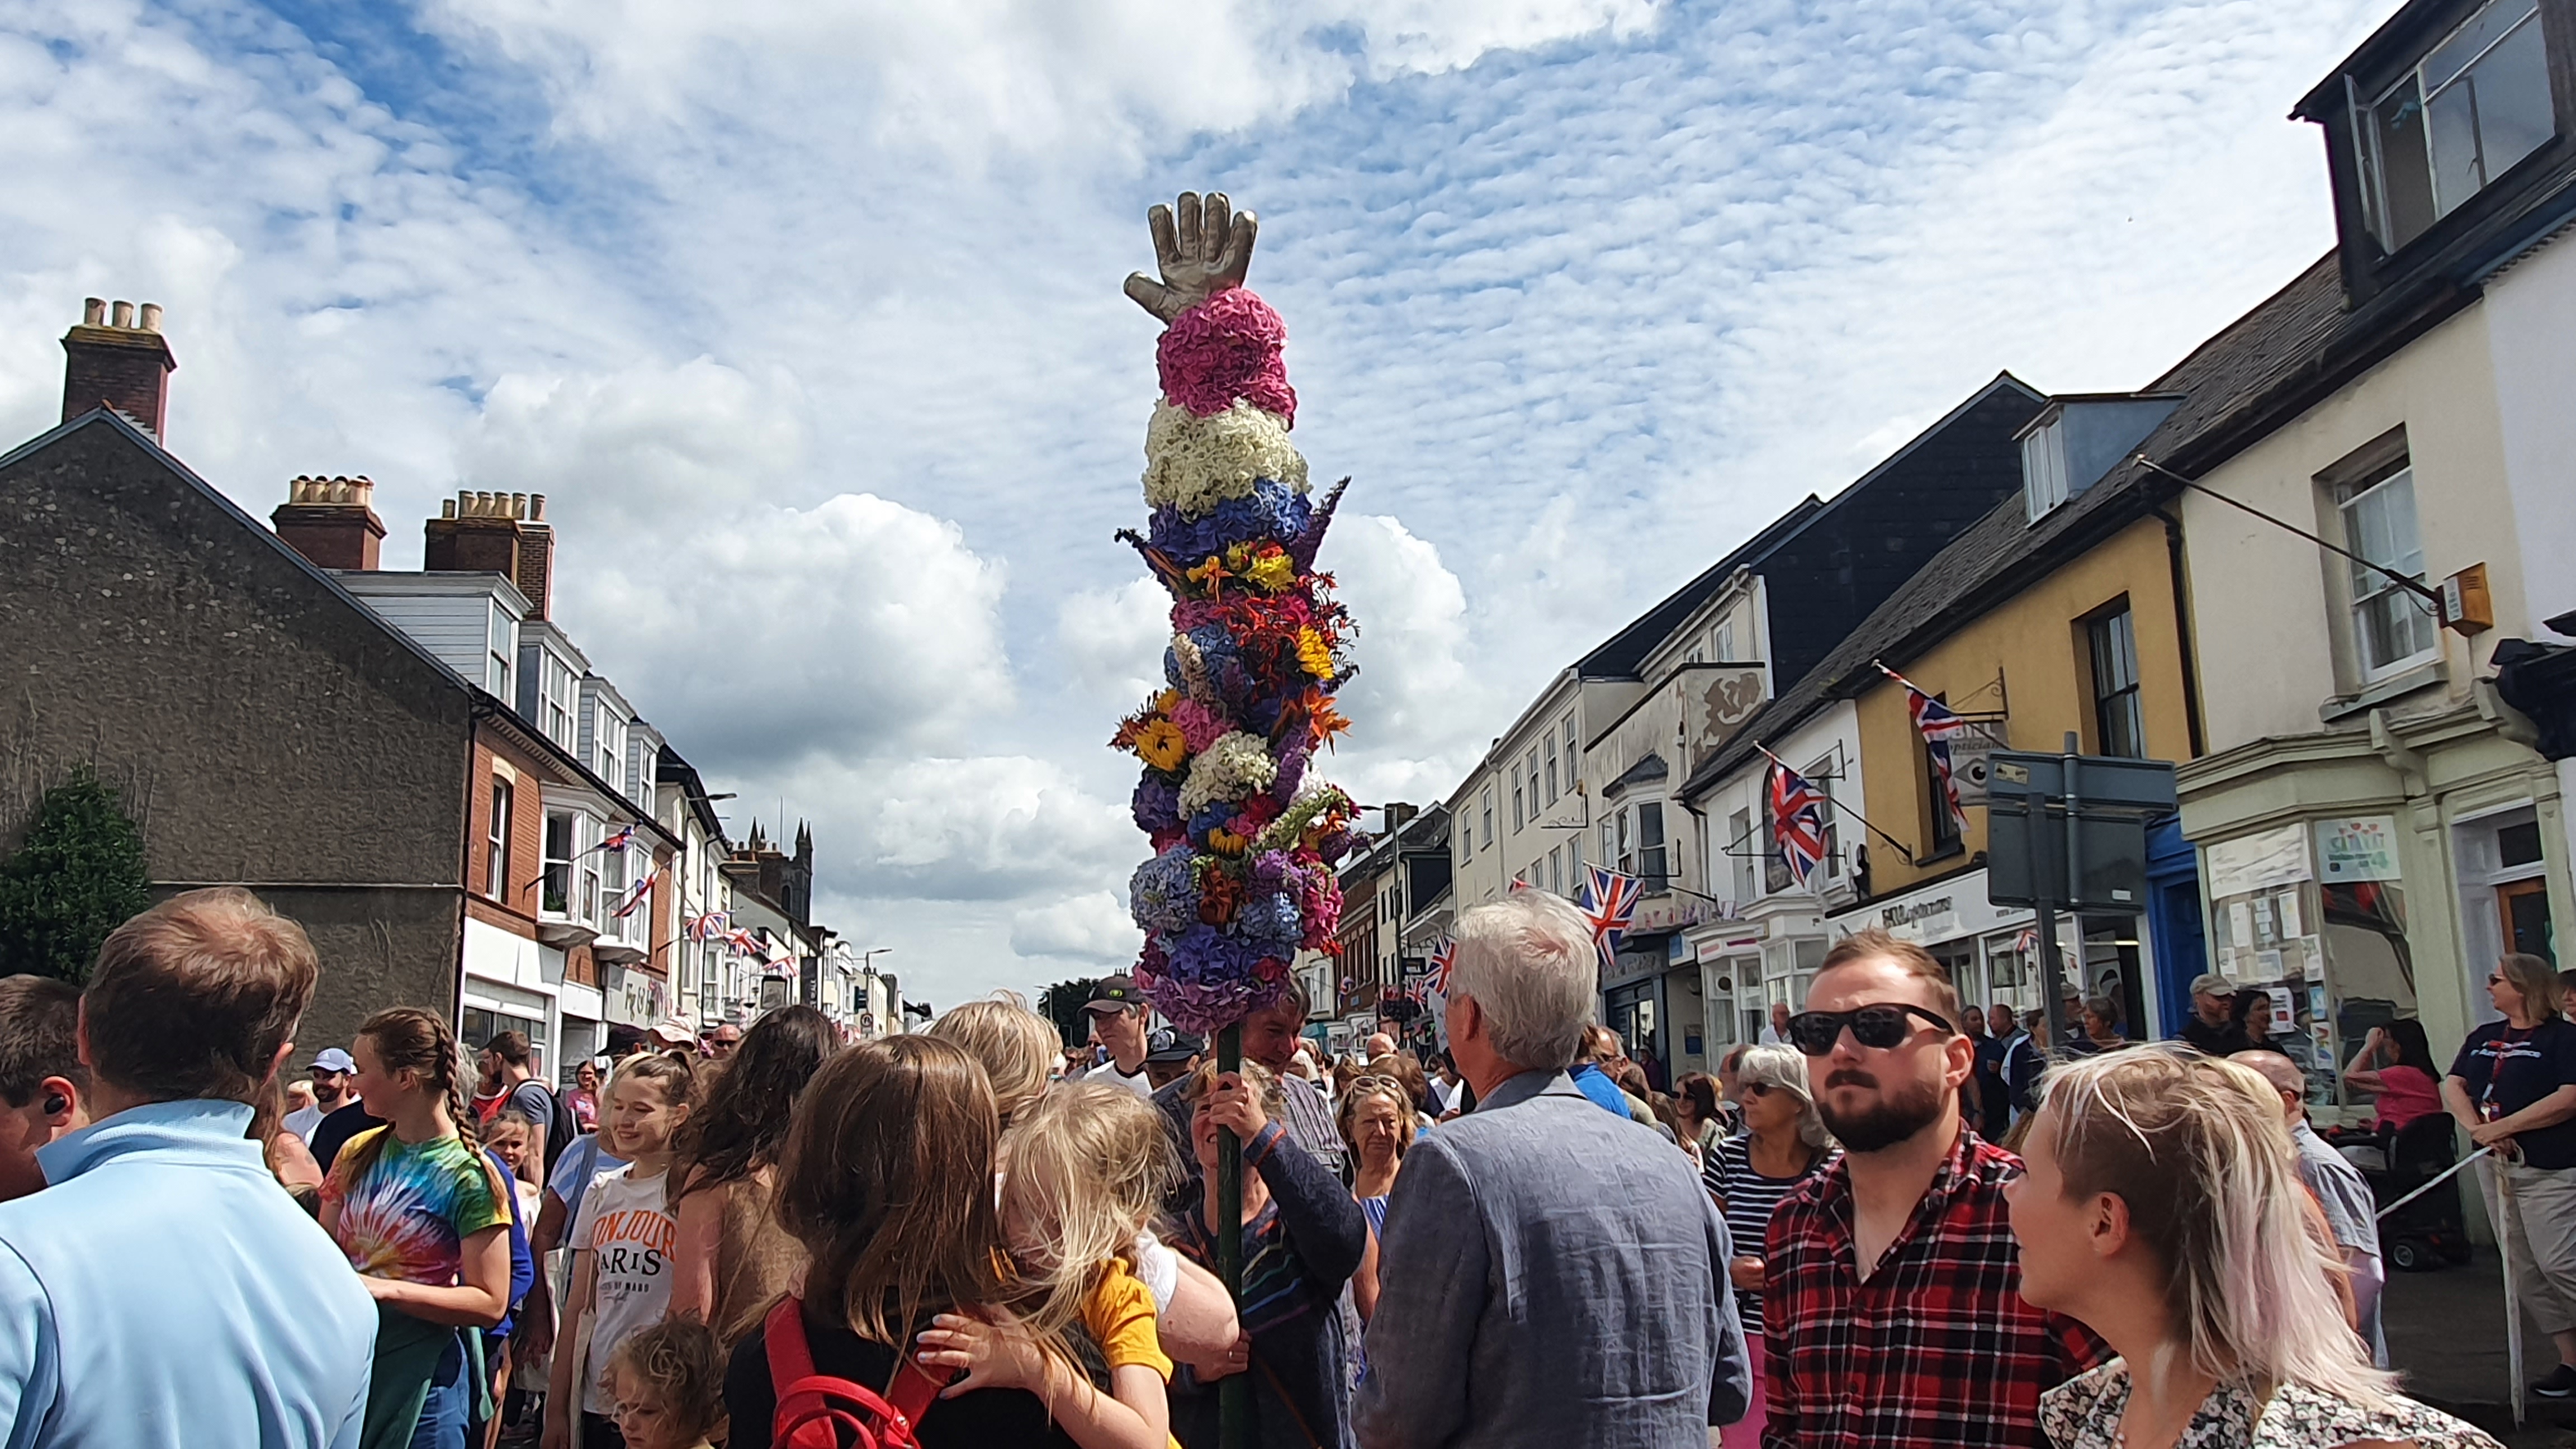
x: 76, y: 876
x: 1062, y: 1004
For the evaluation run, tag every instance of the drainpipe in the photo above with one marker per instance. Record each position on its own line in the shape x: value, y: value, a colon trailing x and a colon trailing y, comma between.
x: 2182, y: 637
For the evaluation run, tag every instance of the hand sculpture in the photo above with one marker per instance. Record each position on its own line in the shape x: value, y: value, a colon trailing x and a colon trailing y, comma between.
x: 1209, y: 253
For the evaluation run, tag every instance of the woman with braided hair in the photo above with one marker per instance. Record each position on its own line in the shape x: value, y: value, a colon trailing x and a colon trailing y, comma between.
x: 424, y: 1218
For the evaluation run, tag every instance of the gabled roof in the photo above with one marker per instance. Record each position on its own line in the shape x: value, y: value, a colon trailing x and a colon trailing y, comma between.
x: 2246, y: 374
x: 1624, y: 652
x: 482, y: 704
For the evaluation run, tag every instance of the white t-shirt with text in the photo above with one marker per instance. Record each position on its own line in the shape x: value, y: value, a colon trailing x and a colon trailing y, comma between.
x: 632, y: 1238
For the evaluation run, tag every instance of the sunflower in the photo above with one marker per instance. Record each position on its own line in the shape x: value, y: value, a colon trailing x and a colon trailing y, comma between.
x: 1273, y: 571
x: 1161, y: 745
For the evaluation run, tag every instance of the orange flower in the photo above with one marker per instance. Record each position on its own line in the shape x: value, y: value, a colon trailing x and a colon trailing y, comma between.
x: 1326, y: 721
x: 1161, y: 745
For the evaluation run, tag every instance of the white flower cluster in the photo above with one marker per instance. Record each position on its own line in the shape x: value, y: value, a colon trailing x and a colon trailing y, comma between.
x: 1235, y: 766
x: 1194, y: 463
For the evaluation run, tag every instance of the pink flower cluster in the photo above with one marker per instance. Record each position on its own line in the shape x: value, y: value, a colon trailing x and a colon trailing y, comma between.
x: 1225, y: 348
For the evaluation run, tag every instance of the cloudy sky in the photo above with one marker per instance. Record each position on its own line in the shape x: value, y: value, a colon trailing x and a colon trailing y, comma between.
x: 805, y: 316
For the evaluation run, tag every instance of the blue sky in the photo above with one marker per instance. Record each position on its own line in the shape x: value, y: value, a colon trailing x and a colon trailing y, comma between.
x: 806, y: 318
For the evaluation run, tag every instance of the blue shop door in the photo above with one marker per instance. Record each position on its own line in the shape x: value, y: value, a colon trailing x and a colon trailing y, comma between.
x: 2173, y: 912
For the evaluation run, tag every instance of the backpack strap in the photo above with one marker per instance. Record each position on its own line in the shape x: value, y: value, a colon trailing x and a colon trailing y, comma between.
x: 808, y: 1401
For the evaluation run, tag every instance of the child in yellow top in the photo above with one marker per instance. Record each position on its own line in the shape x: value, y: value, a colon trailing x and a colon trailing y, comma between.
x: 1085, y: 1169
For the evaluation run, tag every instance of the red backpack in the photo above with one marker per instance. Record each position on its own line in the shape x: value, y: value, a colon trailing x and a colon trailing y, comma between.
x: 818, y: 1411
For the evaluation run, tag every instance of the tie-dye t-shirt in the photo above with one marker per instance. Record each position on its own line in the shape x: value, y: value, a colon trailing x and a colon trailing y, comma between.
x: 407, y: 1213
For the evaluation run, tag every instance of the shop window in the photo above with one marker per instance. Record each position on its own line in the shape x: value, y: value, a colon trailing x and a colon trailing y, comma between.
x: 481, y: 1024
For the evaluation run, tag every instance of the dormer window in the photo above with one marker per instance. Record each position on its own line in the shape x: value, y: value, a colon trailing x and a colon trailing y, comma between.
x: 2477, y: 103
x: 2043, y: 468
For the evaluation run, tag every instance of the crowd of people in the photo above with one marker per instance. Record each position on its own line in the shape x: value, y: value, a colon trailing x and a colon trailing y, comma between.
x: 1866, y: 1231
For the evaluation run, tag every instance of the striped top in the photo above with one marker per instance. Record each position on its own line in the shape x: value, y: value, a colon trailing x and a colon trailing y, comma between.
x: 1749, y: 1198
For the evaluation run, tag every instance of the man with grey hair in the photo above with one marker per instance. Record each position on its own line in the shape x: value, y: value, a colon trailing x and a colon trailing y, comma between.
x: 1518, y: 1302
x: 2213, y: 1026
x: 2340, y: 1189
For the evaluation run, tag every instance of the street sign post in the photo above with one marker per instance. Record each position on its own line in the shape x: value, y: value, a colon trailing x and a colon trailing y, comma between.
x: 2068, y: 832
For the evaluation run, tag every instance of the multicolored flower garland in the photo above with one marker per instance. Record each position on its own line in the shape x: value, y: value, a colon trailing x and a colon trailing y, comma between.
x: 1245, y: 845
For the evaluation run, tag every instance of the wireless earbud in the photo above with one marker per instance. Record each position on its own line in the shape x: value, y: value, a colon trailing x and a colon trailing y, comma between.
x: 56, y: 1102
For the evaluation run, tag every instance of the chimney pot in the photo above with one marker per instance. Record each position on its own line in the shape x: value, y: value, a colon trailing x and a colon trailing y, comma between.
x: 107, y: 362
x: 151, y: 317
x: 328, y: 521
x: 447, y: 508
x: 518, y: 505
x: 537, y: 507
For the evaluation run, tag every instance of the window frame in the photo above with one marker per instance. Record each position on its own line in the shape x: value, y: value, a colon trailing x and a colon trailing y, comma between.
x: 496, y: 842
x: 554, y: 890
x: 500, y: 649
x: 1655, y: 858
x: 2345, y: 495
x: 2370, y: 167
x: 2126, y: 700
x: 1573, y: 761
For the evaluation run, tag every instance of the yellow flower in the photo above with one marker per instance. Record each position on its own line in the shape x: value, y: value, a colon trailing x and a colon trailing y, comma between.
x: 1273, y: 572
x: 1213, y: 574
x: 1167, y: 701
x: 1161, y: 744
x: 1225, y: 842
x: 1314, y: 654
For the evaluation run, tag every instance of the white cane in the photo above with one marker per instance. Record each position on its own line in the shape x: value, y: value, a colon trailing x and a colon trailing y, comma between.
x: 2512, y: 1301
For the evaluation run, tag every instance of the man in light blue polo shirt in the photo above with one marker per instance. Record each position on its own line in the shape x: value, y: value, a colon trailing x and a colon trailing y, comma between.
x: 163, y: 1290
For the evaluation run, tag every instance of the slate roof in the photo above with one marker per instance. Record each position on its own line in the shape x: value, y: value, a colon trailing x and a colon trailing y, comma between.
x: 2294, y: 345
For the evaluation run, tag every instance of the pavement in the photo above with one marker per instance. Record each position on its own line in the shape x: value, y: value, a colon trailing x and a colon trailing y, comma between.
x: 2446, y: 1337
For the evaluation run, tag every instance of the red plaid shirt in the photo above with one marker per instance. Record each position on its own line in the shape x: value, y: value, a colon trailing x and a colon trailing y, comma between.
x: 1937, y: 1347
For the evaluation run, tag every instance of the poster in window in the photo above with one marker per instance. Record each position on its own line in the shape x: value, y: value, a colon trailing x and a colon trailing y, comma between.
x: 2262, y: 861
x: 2361, y: 847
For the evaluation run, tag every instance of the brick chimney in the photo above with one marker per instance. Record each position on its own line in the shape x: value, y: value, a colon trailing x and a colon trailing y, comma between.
x: 476, y: 533
x: 116, y: 361
x: 331, y: 521
x: 536, y: 575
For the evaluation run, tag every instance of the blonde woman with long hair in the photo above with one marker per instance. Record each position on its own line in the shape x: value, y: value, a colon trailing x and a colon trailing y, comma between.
x: 1018, y: 1049
x: 2161, y: 1207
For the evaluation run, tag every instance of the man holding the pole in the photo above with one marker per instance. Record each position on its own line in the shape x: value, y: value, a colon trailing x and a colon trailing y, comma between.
x: 1519, y: 1303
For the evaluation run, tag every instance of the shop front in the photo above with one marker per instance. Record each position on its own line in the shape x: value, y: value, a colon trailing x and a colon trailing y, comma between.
x: 2357, y: 877
x: 1992, y: 952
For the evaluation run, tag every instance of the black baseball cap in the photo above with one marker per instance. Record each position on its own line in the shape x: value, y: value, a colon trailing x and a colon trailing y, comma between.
x: 1114, y: 993
x: 1170, y: 1045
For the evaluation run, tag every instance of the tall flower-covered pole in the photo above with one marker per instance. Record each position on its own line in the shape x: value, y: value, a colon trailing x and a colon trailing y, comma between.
x: 1244, y: 843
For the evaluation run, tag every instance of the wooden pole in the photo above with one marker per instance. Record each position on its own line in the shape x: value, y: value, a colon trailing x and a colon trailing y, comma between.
x: 1234, y: 1393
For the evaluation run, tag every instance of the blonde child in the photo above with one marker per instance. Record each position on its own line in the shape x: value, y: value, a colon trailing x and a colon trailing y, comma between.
x: 668, y: 1385
x: 1085, y: 1168
x: 512, y: 1139
x: 623, y: 1245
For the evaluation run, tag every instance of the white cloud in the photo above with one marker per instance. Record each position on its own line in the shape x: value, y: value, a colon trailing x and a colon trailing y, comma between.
x: 1112, y: 640
x: 969, y: 77
x: 1419, y: 712
x: 1094, y: 928
x: 806, y: 318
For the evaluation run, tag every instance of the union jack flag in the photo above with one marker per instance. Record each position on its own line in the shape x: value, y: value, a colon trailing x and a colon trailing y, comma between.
x: 1938, y: 727
x: 623, y: 837
x: 709, y: 926
x: 1435, y: 979
x: 1608, y: 900
x: 1797, y: 820
x: 743, y: 942
x: 634, y: 897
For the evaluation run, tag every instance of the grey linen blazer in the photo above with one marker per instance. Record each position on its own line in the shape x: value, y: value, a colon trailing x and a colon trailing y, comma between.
x: 1550, y: 1275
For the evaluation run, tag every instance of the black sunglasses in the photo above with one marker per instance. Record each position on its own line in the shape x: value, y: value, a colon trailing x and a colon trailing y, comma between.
x: 1880, y: 1026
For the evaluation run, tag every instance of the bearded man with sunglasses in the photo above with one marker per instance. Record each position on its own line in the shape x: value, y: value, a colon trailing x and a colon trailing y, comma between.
x: 1892, y: 1307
